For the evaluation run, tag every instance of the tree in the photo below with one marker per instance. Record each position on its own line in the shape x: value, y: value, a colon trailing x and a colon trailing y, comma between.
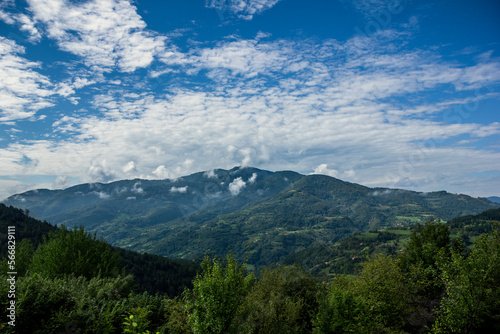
x: 282, y: 301
x: 382, y: 287
x: 341, y: 310
x: 75, y: 252
x: 472, y: 284
x: 217, y: 293
x: 427, y: 244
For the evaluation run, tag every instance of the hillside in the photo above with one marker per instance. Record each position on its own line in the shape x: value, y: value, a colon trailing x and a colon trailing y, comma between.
x: 494, y: 199
x: 152, y: 273
x: 345, y: 256
x: 260, y: 215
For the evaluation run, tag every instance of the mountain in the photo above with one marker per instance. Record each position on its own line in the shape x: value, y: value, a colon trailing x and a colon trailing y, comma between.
x: 494, y: 199
x: 259, y: 215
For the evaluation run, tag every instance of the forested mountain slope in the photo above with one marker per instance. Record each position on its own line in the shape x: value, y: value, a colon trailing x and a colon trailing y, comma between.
x: 260, y: 215
x: 152, y: 273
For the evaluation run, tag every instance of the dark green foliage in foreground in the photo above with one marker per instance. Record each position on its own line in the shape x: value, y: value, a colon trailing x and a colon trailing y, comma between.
x: 389, y: 295
x: 282, y: 301
x: 75, y: 252
x: 437, y: 285
x: 217, y: 293
x: 472, y: 298
x: 158, y: 274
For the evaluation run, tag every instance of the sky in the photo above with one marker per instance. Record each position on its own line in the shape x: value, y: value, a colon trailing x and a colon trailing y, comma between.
x: 398, y: 93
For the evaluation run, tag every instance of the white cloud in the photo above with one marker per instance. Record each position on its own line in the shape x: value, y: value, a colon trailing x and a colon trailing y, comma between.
x: 244, y: 9
x: 381, y: 193
x: 236, y: 186
x: 210, y: 173
x: 60, y: 182
x: 137, y: 188
x: 344, y: 103
x: 323, y: 169
x: 99, y: 171
x: 253, y: 178
x: 101, y: 194
x: 129, y: 167
x: 24, y: 22
x: 247, y: 58
x: 161, y: 172
x: 180, y: 190
x: 23, y: 91
x: 105, y: 33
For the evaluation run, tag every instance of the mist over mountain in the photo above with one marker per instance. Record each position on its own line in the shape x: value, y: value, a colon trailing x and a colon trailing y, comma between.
x: 260, y: 215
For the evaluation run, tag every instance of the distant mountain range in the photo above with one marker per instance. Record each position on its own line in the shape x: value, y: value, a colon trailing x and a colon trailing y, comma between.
x: 259, y: 215
x: 494, y: 199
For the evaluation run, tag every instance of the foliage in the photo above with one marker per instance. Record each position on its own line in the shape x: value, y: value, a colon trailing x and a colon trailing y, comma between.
x: 177, y: 317
x: 217, y: 293
x: 428, y: 243
x: 341, y: 309
x: 75, y: 252
x: 25, y: 227
x: 282, y: 301
x: 382, y: 286
x: 136, y: 324
x: 472, y: 283
x: 158, y: 274
x: 50, y: 305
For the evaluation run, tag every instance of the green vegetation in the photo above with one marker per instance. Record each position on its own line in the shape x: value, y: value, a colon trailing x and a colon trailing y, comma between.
x: 274, y: 215
x: 75, y: 252
x: 435, y: 284
x: 152, y: 273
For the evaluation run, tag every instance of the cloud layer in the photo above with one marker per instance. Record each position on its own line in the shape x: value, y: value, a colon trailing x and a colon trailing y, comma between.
x: 368, y: 109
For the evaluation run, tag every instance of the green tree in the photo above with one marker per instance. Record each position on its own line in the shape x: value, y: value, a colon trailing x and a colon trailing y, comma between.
x: 427, y: 244
x: 216, y: 295
x: 382, y: 286
x: 472, y: 283
x: 75, y: 252
x: 45, y: 305
x: 23, y: 258
x: 341, y: 310
x: 282, y: 301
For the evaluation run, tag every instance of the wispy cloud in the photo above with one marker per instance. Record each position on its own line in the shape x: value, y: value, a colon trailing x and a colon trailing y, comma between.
x: 236, y: 186
x: 180, y: 190
x: 23, y: 90
x: 243, y: 9
x: 107, y: 34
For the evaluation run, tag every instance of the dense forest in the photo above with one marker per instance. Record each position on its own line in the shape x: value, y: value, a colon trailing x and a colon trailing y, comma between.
x: 152, y: 273
x: 72, y: 282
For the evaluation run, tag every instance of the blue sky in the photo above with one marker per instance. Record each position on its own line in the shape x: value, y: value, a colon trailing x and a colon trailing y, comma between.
x: 395, y: 93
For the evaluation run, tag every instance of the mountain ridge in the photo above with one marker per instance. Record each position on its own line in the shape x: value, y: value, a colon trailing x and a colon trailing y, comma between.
x: 258, y: 214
